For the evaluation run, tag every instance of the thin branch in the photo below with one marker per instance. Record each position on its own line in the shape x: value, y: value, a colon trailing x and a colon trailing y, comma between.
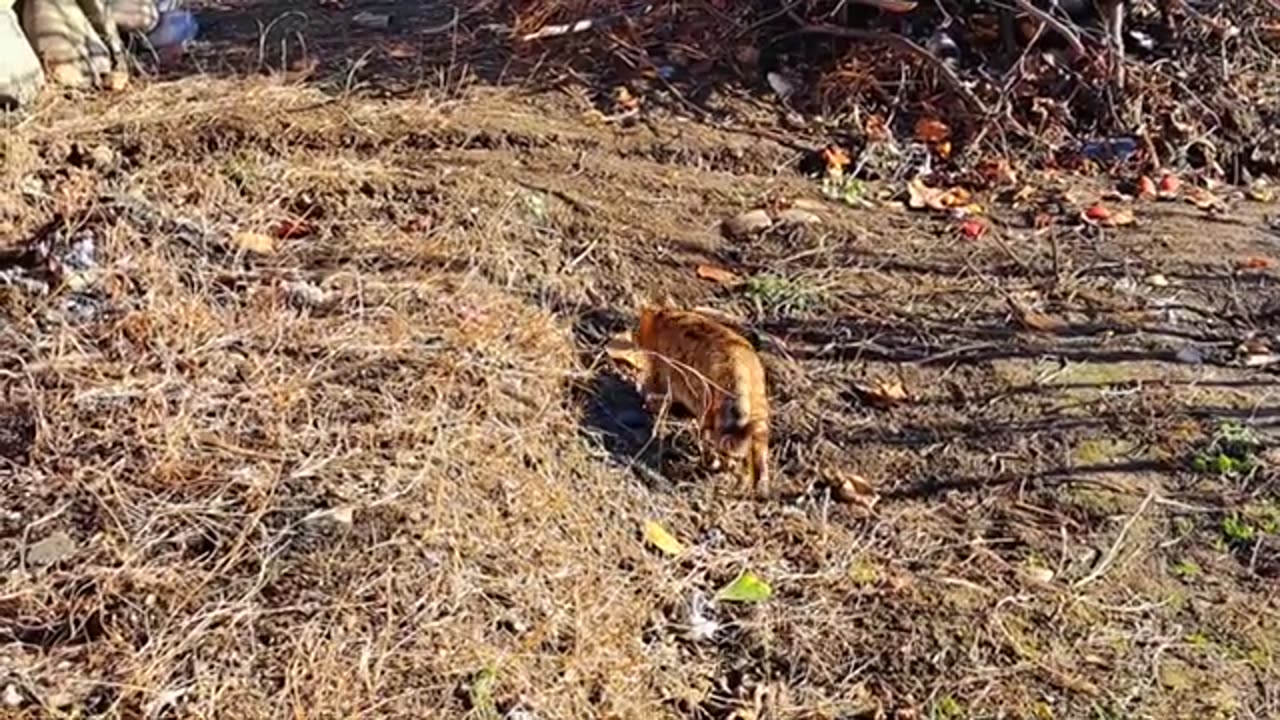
x: 1071, y: 36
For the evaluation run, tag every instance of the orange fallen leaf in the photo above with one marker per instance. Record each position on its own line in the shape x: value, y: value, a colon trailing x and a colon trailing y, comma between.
x: 999, y: 172
x: 835, y: 158
x: 943, y: 149
x: 1037, y: 321
x: 931, y: 130
x: 717, y: 274
x: 1169, y: 186
x: 1146, y: 187
x: 1257, y: 263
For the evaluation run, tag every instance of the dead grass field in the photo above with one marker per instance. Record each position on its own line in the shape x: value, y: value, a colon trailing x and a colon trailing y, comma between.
x: 383, y: 471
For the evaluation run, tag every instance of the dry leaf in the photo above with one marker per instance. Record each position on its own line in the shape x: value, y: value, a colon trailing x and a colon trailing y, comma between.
x: 117, y: 81
x: 1169, y: 186
x: 943, y: 149
x: 883, y: 394
x: 836, y: 159
x: 255, y: 242
x: 1202, y: 199
x: 1037, y: 321
x: 1260, y: 193
x: 876, y: 129
x: 922, y: 196
x: 855, y: 490
x: 623, y: 350
x: 624, y: 99
x: 717, y: 274
x: 658, y: 536
x: 898, y: 7
x: 401, y: 51
x: 1119, y: 218
x: 999, y: 172
x: 932, y: 131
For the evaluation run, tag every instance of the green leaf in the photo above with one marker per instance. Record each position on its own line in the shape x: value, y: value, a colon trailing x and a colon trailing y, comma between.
x: 482, y: 704
x: 661, y: 539
x: 747, y: 588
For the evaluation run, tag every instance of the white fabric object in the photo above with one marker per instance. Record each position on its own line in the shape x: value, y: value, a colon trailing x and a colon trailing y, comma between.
x: 135, y: 15
x: 72, y: 52
x: 20, y: 74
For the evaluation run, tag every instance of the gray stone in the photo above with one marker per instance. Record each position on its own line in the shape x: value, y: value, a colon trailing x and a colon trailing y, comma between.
x: 20, y: 75
x: 56, y: 547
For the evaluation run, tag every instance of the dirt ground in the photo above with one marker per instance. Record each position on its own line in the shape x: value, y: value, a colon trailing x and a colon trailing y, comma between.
x: 379, y: 466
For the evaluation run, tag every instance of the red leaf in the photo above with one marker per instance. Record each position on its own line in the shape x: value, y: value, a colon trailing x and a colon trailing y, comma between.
x: 1097, y: 212
x: 290, y: 228
x: 973, y: 229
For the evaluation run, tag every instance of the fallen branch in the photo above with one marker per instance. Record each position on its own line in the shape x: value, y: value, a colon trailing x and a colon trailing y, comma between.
x: 873, y: 36
x: 1071, y: 36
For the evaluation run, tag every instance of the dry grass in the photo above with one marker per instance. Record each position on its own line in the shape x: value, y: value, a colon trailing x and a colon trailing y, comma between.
x: 199, y: 421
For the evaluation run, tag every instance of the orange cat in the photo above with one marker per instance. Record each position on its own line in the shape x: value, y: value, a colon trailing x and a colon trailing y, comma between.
x: 713, y: 373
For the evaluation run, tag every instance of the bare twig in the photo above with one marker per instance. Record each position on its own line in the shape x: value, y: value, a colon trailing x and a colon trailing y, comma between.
x: 873, y: 36
x: 1105, y: 564
x: 1068, y: 34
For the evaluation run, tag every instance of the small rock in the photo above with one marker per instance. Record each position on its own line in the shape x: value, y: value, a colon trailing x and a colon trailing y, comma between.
x: 796, y: 216
x: 1189, y: 355
x: 58, y: 546
x: 341, y: 515
x: 371, y: 20
x: 1040, y: 575
x: 780, y: 84
x: 102, y: 157
x: 12, y: 696
x: 1157, y: 280
x: 747, y: 224
x: 304, y: 294
x: 60, y: 700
